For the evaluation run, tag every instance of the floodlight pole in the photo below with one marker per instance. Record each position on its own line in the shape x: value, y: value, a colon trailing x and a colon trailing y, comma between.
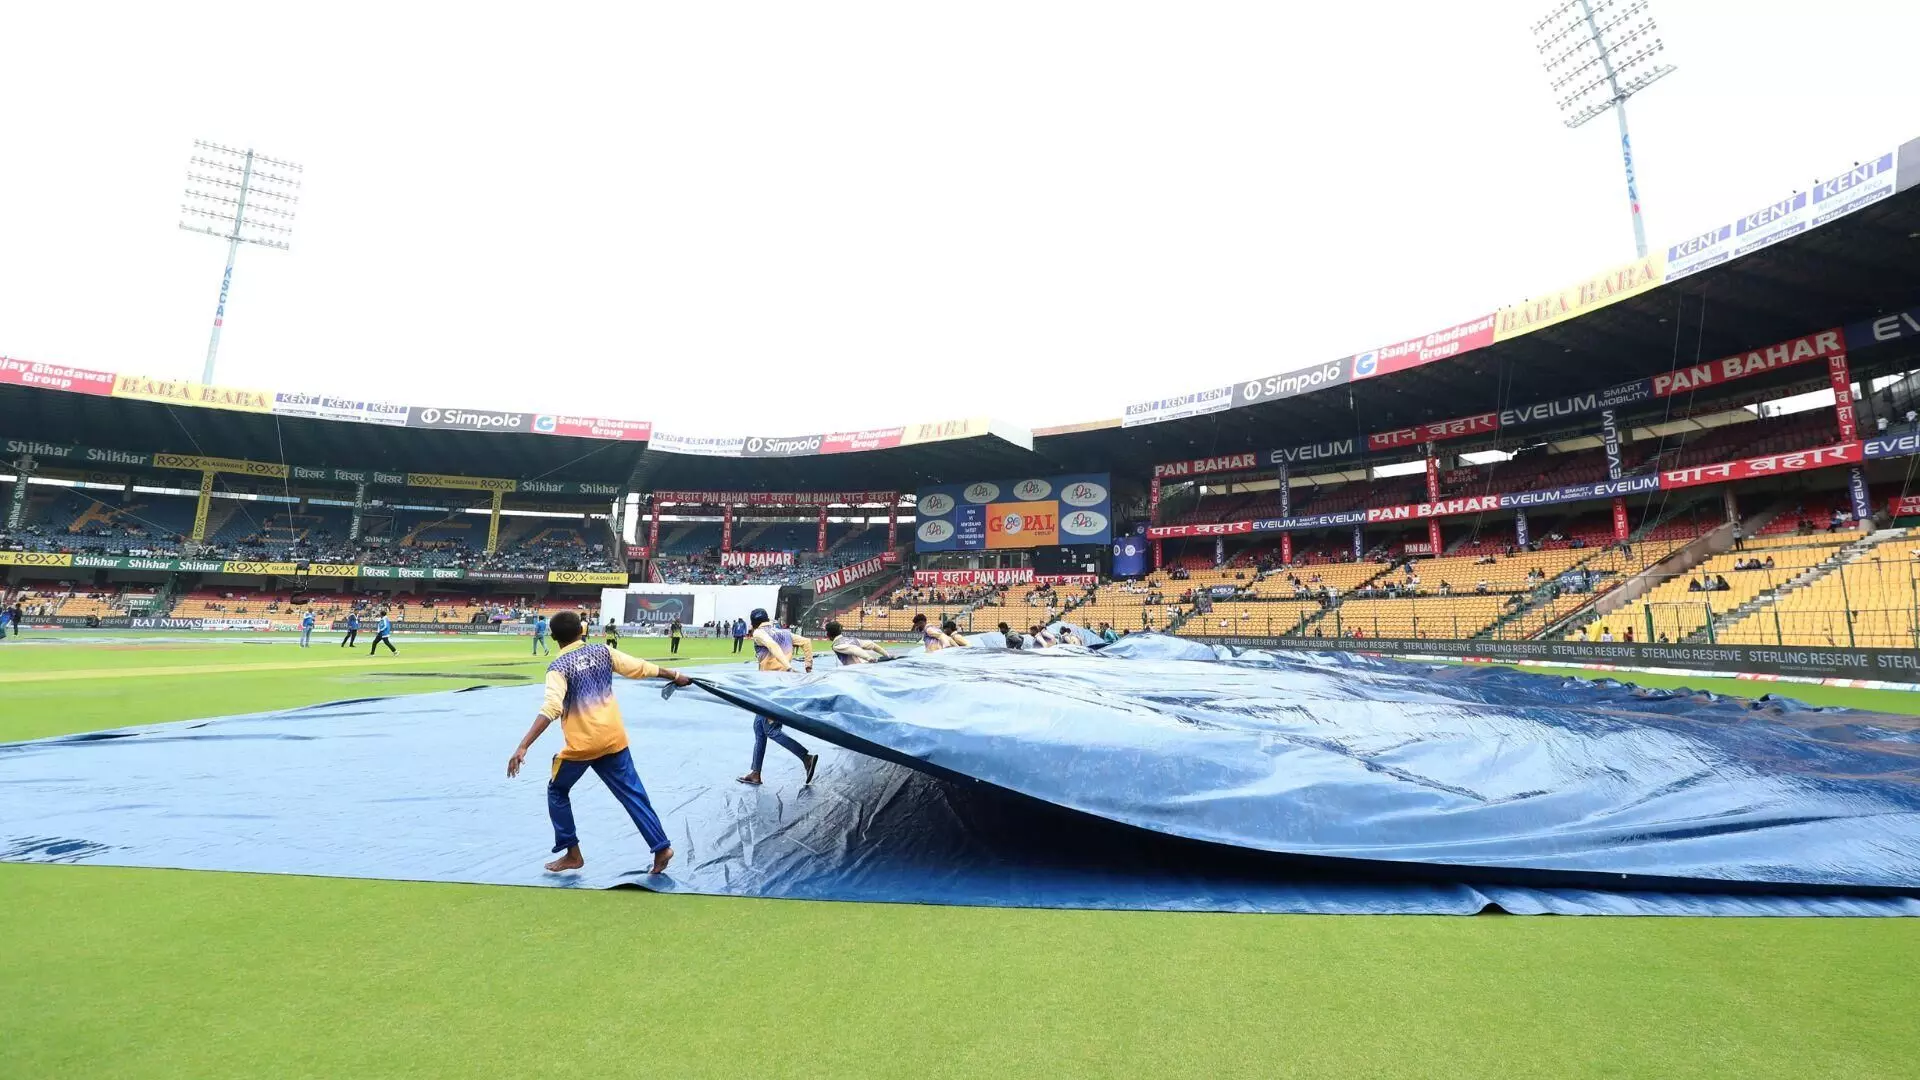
x: 242, y: 197
x: 233, y: 252
x: 1626, y: 147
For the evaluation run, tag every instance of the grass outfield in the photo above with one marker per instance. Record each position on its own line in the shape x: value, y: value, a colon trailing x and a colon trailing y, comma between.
x: 149, y: 973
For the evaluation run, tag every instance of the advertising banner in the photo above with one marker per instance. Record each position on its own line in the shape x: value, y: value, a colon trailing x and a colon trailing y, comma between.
x: 1904, y: 506
x: 1857, y: 492
x: 1320, y: 451
x: 1610, y: 442
x: 1893, y: 444
x: 196, y: 463
x: 51, y: 453
x: 775, y: 498
x: 1413, y: 352
x: 181, y: 392
x: 1866, y: 183
x: 450, y: 419
x: 586, y: 577
x: 1842, y: 397
x: 1198, y: 403
x: 464, y: 483
x: 1772, y: 464
x: 1600, y: 489
x: 1622, y: 528
x: 55, y: 377
x: 1591, y: 294
x: 1035, y: 512
x: 1808, y: 347
x: 1010, y: 576
x: 756, y: 559
x: 1885, y: 330
x: 658, y: 609
x: 34, y: 558
x: 1292, y: 383
x: 1023, y: 524
x: 945, y: 430
x: 1224, y: 463
x: 851, y: 442
x: 848, y: 575
x: 1309, y: 521
x: 414, y: 573
x: 1224, y: 528
x: 282, y: 568
x: 593, y: 427
x: 351, y: 410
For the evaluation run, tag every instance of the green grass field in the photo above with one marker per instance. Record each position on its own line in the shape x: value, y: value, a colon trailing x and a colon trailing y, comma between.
x: 141, y: 973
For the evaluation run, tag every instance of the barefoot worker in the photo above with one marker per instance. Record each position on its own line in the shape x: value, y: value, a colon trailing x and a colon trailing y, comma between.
x: 580, y: 696
x: 931, y: 640
x: 774, y: 648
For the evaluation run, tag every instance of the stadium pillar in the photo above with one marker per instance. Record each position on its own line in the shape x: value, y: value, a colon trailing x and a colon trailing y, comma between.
x: 200, y: 508
x: 1610, y: 440
x: 1286, y: 491
x: 1732, y: 504
x: 359, y: 508
x: 726, y: 528
x: 1157, y: 553
x: 1219, y: 551
x: 1359, y: 542
x: 17, y: 509
x: 1153, y: 500
x: 493, y: 524
x: 653, y: 532
x: 821, y: 547
x: 1843, y: 398
x: 1433, y: 496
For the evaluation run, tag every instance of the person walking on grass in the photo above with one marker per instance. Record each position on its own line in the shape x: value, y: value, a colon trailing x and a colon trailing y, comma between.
x: 774, y: 648
x: 673, y: 638
x: 382, y: 632
x: 579, y: 694
x: 353, y: 630
x: 306, y: 629
x: 539, y: 634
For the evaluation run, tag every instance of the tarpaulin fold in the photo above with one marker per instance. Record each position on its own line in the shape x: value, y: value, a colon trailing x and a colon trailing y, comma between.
x: 1154, y: 773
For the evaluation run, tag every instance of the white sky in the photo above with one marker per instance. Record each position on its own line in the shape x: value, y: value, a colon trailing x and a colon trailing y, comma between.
x: 790, y: 218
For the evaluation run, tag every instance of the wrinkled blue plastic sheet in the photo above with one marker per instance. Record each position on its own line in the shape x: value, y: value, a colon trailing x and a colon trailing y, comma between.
x: 1152, y: 774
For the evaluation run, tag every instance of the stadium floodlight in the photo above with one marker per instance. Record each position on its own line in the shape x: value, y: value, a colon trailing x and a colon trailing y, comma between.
x: 243, y: 198
x: 1599, y: 53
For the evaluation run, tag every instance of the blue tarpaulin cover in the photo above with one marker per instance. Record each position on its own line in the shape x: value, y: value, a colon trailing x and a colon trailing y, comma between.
x: 1155, y: 774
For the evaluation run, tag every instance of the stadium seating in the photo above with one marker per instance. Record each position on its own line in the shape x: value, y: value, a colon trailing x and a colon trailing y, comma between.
x: 1674, y: 610
x: 1869, y: 602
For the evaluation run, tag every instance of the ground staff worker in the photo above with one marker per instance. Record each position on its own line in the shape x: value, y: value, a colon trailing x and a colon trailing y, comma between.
x: 382, y: 632
x: 673, y: 637
x: 774, y: 649
x: 353, y: 630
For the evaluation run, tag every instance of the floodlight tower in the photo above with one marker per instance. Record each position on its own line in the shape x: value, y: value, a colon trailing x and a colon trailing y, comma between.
x: 1599, y: 53
x: 243, y: 198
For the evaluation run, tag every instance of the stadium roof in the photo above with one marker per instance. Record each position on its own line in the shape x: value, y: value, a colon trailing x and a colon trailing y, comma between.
x: 1845, y: 251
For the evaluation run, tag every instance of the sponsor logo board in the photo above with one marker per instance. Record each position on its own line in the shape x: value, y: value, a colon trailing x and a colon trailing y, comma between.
x: 451, y: 419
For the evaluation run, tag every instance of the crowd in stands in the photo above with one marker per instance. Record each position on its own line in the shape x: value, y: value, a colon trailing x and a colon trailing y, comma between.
x: 77, y: 521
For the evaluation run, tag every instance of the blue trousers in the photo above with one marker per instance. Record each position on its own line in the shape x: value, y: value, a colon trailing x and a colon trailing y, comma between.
x: 306, y: 636
x: 539, y: 644
x: 615, y: 771
x: 764, y: 729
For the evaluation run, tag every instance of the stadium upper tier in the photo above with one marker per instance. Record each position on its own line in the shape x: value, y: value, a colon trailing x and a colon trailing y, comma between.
x: 1840, y: 256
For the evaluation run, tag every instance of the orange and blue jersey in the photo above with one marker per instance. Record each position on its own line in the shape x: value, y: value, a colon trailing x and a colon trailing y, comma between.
x: 774, y: 648
x: 580, y: 696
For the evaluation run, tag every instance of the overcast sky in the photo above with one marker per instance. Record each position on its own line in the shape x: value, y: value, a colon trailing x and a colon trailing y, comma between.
x: 790, y: 218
